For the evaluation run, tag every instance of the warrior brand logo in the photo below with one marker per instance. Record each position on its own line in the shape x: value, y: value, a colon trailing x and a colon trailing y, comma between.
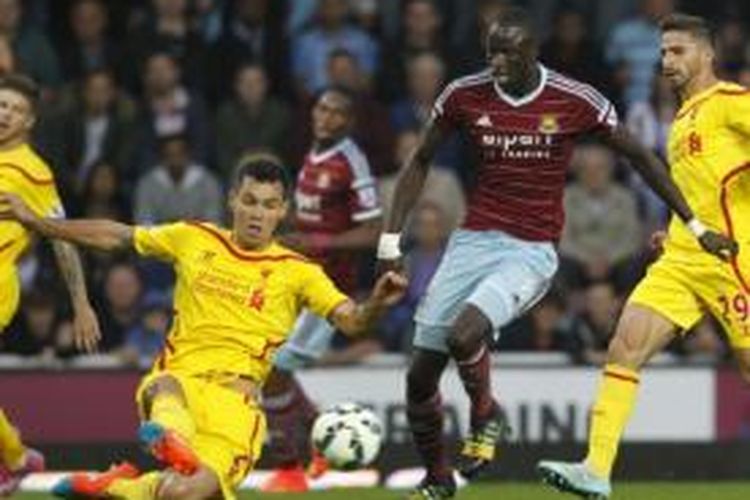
x: 520, y: 145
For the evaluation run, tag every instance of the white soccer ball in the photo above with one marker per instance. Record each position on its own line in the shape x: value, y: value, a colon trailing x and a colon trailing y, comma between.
x: 348, y: 435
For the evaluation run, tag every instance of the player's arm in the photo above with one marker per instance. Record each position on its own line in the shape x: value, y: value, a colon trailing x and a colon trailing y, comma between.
x: 656, y: 174
x: 86, y: 333
x: 408, y: 188
x: 355, y: 318
x: 99, y: 234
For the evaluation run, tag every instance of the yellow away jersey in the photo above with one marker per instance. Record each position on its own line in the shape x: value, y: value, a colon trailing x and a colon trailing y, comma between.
x: 233, y: 308
x: 24, y: 173
x: 709, y: 155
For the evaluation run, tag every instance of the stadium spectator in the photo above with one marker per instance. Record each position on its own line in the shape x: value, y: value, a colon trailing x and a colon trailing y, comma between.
x: 94, y: 125
x: 168, y: 29
x: 425, y: 75
x: 7, y: 57
x: 178, y: 188
x: 602, y: 231
x: 650, y: 122
x: 144, y: 341
x: 253, y: 35
x: 331, y: 31
x: 34, y: 53
x: 541, y: 330
x: 252, y: 120
x: 421, y: 32
x: 632, y: 49
x: 731, y: 47
x: 428, y: 235
x: 591, y: 329
x: 121, y: 307
x: 441, y: 187
x: 33, y: 333
x: 89, y: 46
x: 168, y: 108
x: 103, y: 194
x: 705, y: 343
x: 570, y: 50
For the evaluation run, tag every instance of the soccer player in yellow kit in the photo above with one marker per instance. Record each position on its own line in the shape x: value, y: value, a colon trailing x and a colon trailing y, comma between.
x: 709, y: 154
x: 25, y: 174
x: 237, y: 296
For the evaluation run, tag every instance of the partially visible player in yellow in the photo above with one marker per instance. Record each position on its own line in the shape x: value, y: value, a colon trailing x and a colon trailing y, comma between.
x: 25, y: 174
x: 237, y: 296
x: 709, y: 154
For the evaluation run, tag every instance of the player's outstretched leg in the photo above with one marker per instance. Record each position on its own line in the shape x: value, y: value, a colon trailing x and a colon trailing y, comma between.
x: 290, y: 417
x: 169, y: 429
x: 468, y: 345
x: 640, y: 334
x: 99, y: 485
x: 425, y: 414
x: 16, y: 461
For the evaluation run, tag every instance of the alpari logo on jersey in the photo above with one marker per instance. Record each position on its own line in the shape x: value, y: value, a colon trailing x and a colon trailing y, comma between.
x: 532, y: 146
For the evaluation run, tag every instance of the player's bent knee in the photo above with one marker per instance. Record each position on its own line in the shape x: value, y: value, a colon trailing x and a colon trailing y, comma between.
x: 468, y: 333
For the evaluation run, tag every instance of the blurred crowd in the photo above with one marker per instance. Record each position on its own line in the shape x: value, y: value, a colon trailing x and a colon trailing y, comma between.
x: 149, y: 104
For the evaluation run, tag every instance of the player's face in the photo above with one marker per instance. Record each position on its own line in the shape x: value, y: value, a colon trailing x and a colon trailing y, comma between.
x: 331, y: 117
x: 683, y: 56
x: 257, y: 209
x: 16, y: 116
x: 510, y: 52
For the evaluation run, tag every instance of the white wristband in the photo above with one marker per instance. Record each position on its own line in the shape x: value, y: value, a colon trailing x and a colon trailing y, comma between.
x: 696, y: 227
x: 389, y: 246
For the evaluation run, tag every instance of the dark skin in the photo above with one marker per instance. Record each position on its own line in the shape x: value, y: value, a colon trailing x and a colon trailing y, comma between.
x: 512, y: 55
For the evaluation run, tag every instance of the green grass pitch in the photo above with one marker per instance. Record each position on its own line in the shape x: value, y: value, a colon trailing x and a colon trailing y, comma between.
x: 524, y: 491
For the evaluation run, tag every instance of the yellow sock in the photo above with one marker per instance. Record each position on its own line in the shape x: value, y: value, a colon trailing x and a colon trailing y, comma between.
x: 614, y: 404
x: 170, y: 411
x: 12, y: 449
x: 140, y: 488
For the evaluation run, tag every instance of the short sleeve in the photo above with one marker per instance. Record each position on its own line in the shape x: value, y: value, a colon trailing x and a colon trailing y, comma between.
x: 364, y: 203
x: 599, y: 114
x: 737, y: 110
x: 163, y: 242
x: 445, y: 108
x: 319, y: 293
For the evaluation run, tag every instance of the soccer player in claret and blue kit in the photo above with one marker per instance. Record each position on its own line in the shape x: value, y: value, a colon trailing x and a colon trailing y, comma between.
x: 523, y: 120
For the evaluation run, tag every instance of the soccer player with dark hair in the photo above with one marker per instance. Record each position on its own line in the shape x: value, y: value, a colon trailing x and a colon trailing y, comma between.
x: 237, y: 296
x: 709, y: 155
x: 523, y: 120
x: 25, y: 174
x: 336, y: 216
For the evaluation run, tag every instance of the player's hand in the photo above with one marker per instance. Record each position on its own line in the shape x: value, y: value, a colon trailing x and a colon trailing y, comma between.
x: 86, y: 332
x: 656, y: 241
x: 717, y: 244
x: 389, y: 289
x: 13, y: 208
x: 383, y: 266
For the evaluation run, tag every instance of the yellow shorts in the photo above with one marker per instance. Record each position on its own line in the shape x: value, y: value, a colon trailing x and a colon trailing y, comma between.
x: 10, y: 292
x: 230, y: 428
x: 685, y: 286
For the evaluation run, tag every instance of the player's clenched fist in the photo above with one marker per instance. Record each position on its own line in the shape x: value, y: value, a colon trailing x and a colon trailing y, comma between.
x: 718, y: 244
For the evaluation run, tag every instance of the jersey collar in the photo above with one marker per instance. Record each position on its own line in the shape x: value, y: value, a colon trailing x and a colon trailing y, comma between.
x: 700, y: 96
x: 520, y: 101
x: 322, y: 156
